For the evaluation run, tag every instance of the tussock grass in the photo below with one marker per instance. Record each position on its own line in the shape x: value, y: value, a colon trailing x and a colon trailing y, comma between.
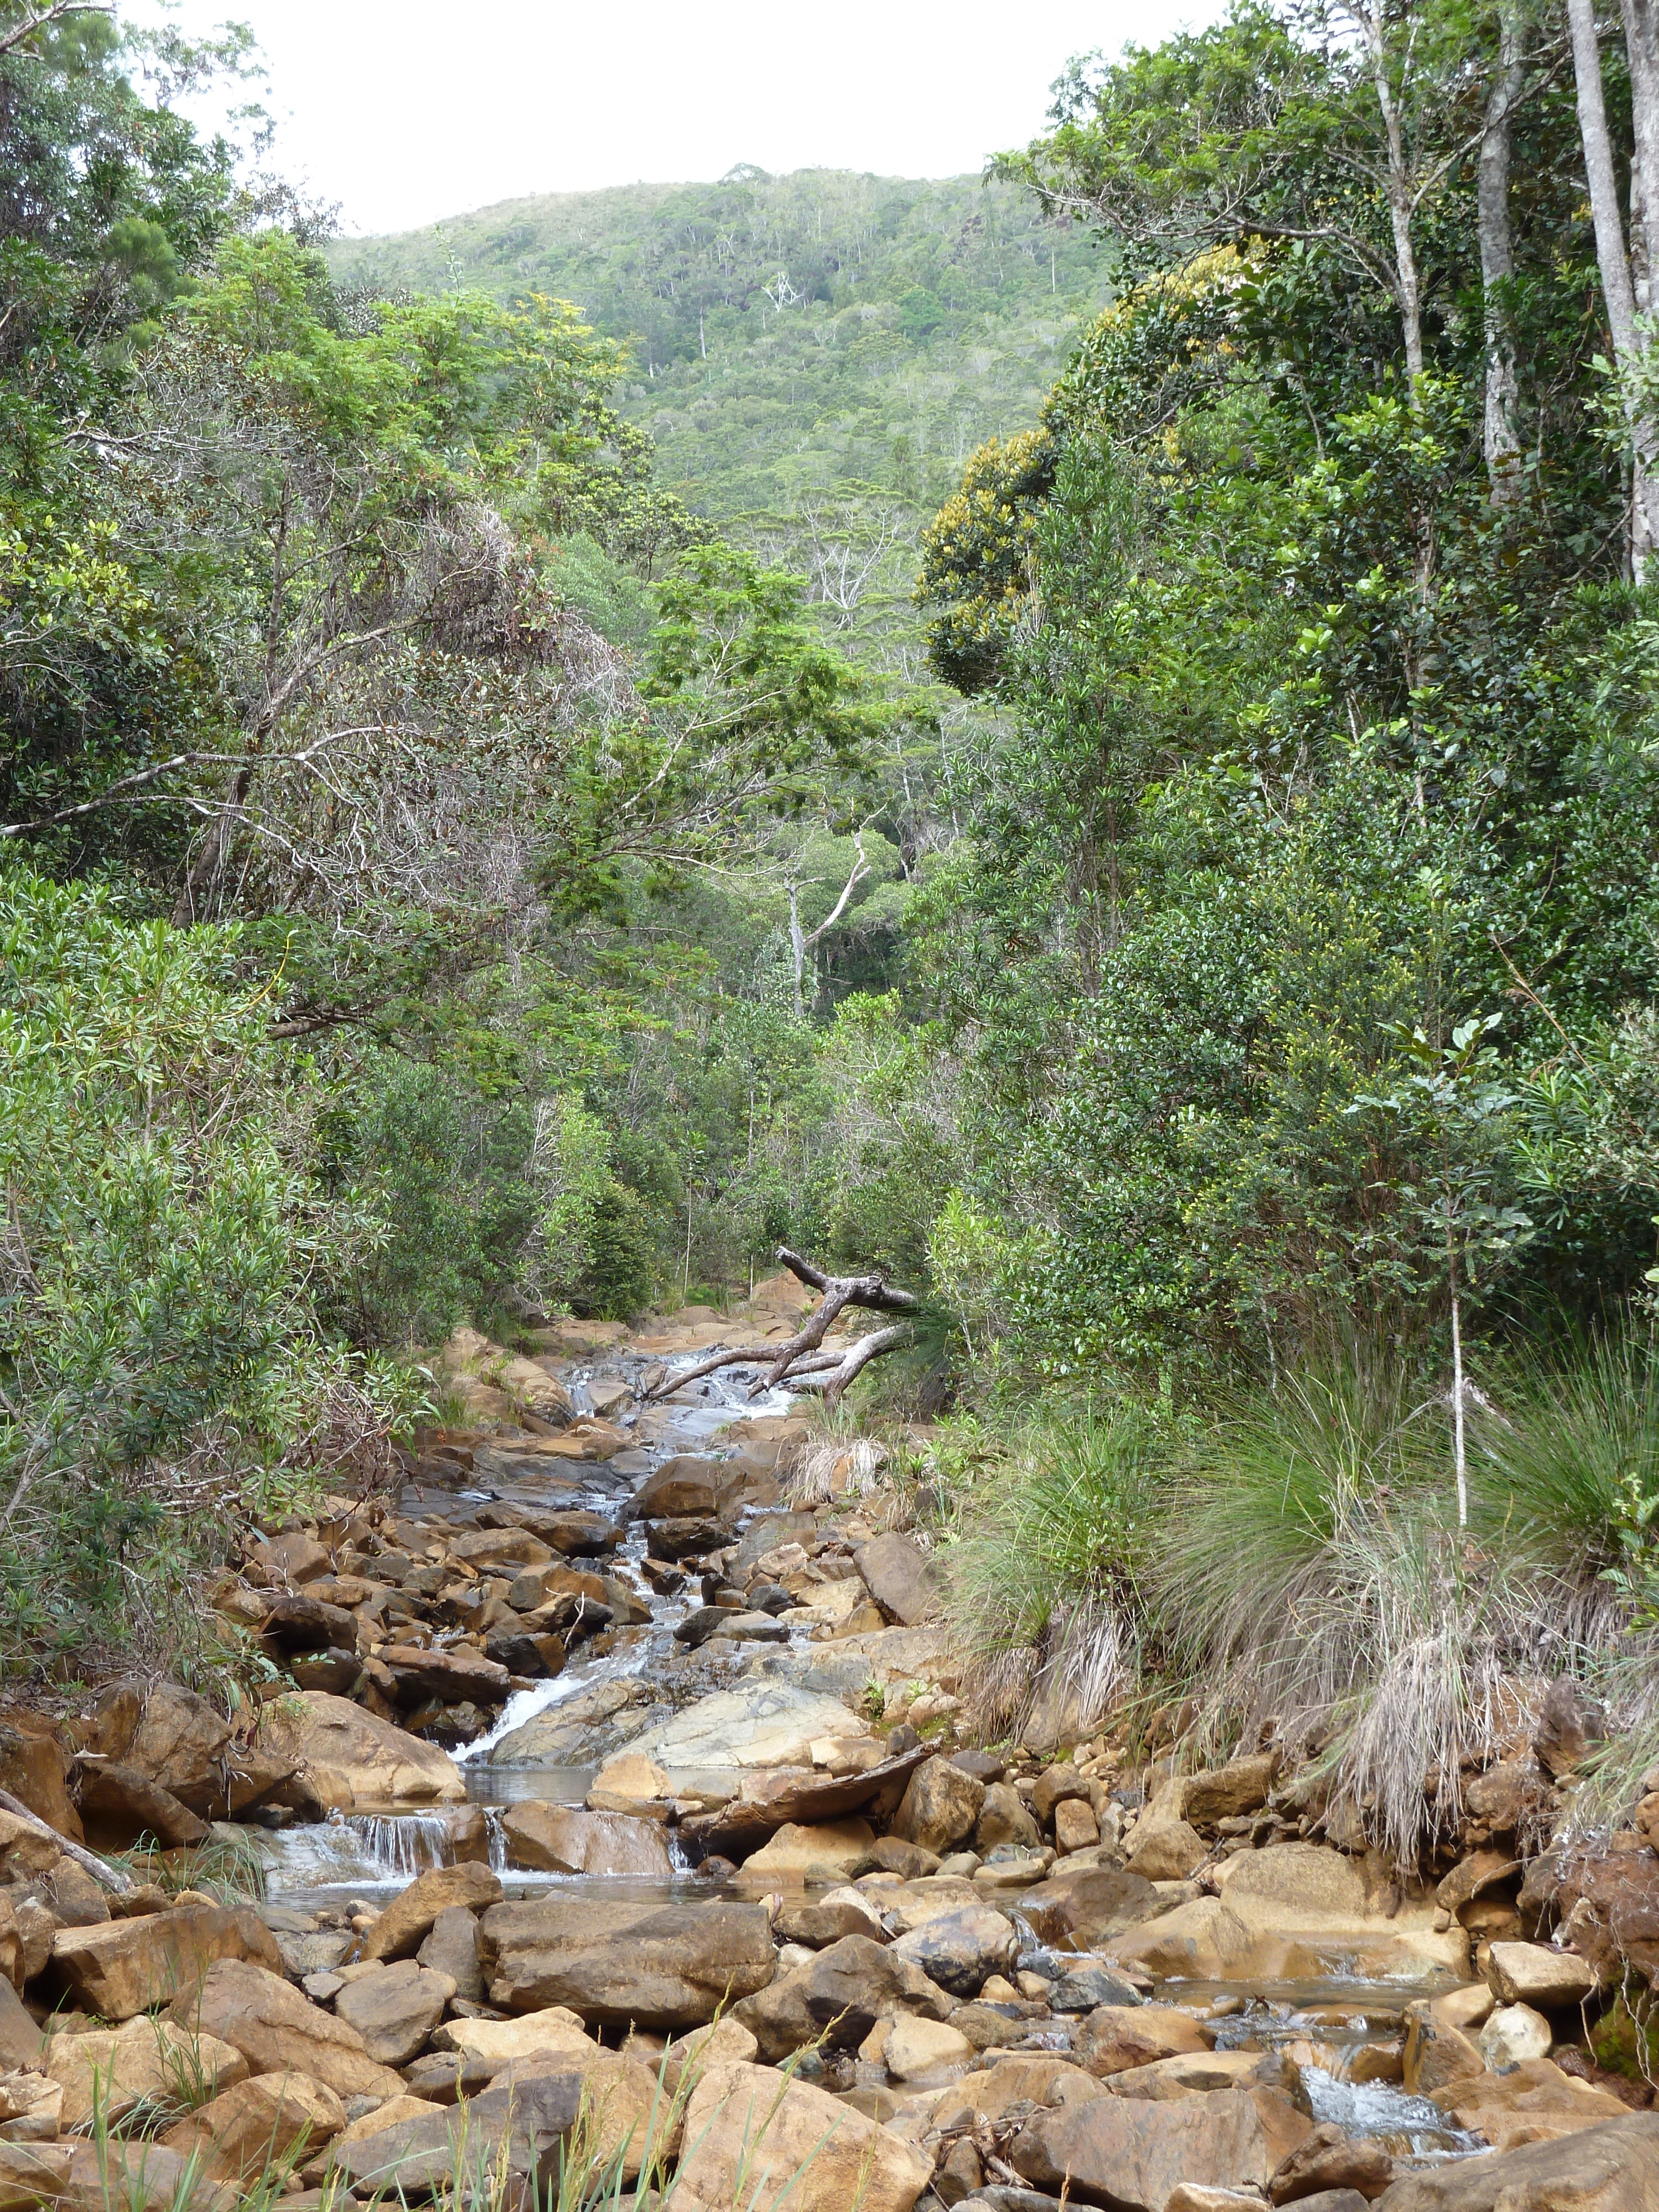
x: 1292, y: 1565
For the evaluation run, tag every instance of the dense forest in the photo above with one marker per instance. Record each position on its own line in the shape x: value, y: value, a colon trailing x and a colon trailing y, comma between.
x: 1087, y: 740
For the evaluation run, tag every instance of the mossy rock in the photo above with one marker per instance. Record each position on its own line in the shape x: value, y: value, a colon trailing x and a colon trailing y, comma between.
x: 1626, y: 2042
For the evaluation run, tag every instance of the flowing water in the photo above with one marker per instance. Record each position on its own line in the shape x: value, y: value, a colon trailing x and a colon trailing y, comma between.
x: 1322, y: 2026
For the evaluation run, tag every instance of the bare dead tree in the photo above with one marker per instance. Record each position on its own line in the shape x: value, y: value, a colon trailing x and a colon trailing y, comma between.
x: 801, y: 1361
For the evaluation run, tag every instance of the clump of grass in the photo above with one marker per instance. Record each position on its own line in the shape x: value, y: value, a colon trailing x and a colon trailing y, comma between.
x: 228, y: 1864
x: 1046, y: 1592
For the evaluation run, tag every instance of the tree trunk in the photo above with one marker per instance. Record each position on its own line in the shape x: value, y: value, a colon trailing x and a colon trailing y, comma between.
x: 1407, y: 289
x: 1612, y: 259
x: 1501, y: 438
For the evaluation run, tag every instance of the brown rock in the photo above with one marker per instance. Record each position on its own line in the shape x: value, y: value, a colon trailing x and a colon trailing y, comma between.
x: 510, y: 2135
x: 1329, y: 2159
x: 1612, y: 2167
x: 34, y: 2173
x: 496, y: 1550
x: 115, y: 2069
x: 34, y: 1767
x: 1131, y: 2154
x: 901, y: 1578
x: 761, y: 2143
x: 456, y: 1677
x: 1437, y: 2053
x: 830, y: 1850
x: 1004, y: 1819
x: 120, y: 1805
x: 258, y: 2125
x: 1084, y: 1906
x: 1230, y: 1791
x: 126, y: 1966
x: 1167, y: 1851
x: 1531, y: 1973
x: 1480, y: 1871
x: 940, y: 1806
x: 455, y: 1948
x: 1611, y: 1903
x: 838, y: 1995
x: 1076, y: 1828
x: 395, y: 2010
x: 278, y: 2031
x: 347, y: 1758
x: 173, y: 1737
x: 563, y: 1839
x: 1115, y: 2038
x: 1569, y: 1725
x: 664, y: 1966
x: 683, y: 1488
x: 405, y: 1924
x: 294, y: 1558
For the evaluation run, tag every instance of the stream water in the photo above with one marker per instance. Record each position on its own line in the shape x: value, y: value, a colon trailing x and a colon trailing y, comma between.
x: 328, y: 1866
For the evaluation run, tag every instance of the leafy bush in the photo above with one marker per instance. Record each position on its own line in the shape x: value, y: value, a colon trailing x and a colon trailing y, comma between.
x: 160, y: 1358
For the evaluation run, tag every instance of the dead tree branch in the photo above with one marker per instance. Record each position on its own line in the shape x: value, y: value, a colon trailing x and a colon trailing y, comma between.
x: 801, y: 1360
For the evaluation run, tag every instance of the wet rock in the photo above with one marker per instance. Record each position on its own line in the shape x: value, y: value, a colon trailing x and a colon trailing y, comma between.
x: 513, y: 2133
x: 838, y: 1994
x: 346, y: 1758
x: 1328, y: 2159
x: 658, y: 1965
x: 959, y: 1949
x: 563, y: 1839
x: 1084, y: 1906
x: 260, y: 2123
x: 395, y: 2010
x: 114, y: 2070
x: 684, y: 1538
x: 1088, y: 1986
x: 537, y: 1657
x: 278, y: 2031
x: 401, y: 1929
x: 126, y: 1966
x: 1612, y: 2168
x: 1436, y: 2051
x: 901, y: 1578
x: 1532, y: 1974
x: 940, y: 1806
x: 750, y: 2137
x: 454, y: 1947
x: 1115, y: 2038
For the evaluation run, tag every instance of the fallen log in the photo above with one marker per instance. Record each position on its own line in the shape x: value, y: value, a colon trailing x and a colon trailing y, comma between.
x: 802, y: 1360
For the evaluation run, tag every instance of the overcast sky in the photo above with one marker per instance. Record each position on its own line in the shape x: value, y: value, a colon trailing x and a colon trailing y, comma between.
x: 405, y: 111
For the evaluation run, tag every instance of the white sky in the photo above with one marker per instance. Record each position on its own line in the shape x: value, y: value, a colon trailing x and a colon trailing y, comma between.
x: 408, y: 112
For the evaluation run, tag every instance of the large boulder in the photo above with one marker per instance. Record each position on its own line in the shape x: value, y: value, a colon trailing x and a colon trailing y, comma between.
x: 454, y: 1947
x: 682, y: 1488
x: 758, y: 2142
x: 901, y: 1578
x: 120, y: 1967
x: 345, y: 1758
x: 260, y: 2123
x: 757, y: 1725
x: 1082, y: 1907
x: 564, y: 1840
x: 395, y: 2010
x: 454, y: 1678
x: 35, y: 1768
x: 1533, y: 1974
x: 1131, y: 2153
x: 278, y: 2031
x: 116, y: 2070
x: 557, y: 2033
x: 171, y: 1737
x: 830, y: 1851
x: 503, y: 2136
x: 1116, y: 2038
x: 939, y: 1806
x: 119, y: 1806
x: 404, y: 1926
x: 1612, y: 2168
x: 839, y: 1994
x: 658, y: 1965
x: 1230, y: 1791
x: 958, y: 1950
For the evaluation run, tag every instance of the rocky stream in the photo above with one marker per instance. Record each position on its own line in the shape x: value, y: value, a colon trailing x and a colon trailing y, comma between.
x: 618, y: 1790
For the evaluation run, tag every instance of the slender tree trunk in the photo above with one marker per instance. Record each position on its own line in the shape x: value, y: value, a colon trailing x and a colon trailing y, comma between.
x: 1407, y: 289
x: 1612, y: 259
x: 1501, y: 437
x: 1459, y: 1454
x: 1642, y: 46
x: 797, y: 946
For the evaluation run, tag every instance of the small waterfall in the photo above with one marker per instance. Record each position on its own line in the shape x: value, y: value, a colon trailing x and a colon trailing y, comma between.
x: 372, y: 1850
x: 499, y: 1860
x: 398, y: 1846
